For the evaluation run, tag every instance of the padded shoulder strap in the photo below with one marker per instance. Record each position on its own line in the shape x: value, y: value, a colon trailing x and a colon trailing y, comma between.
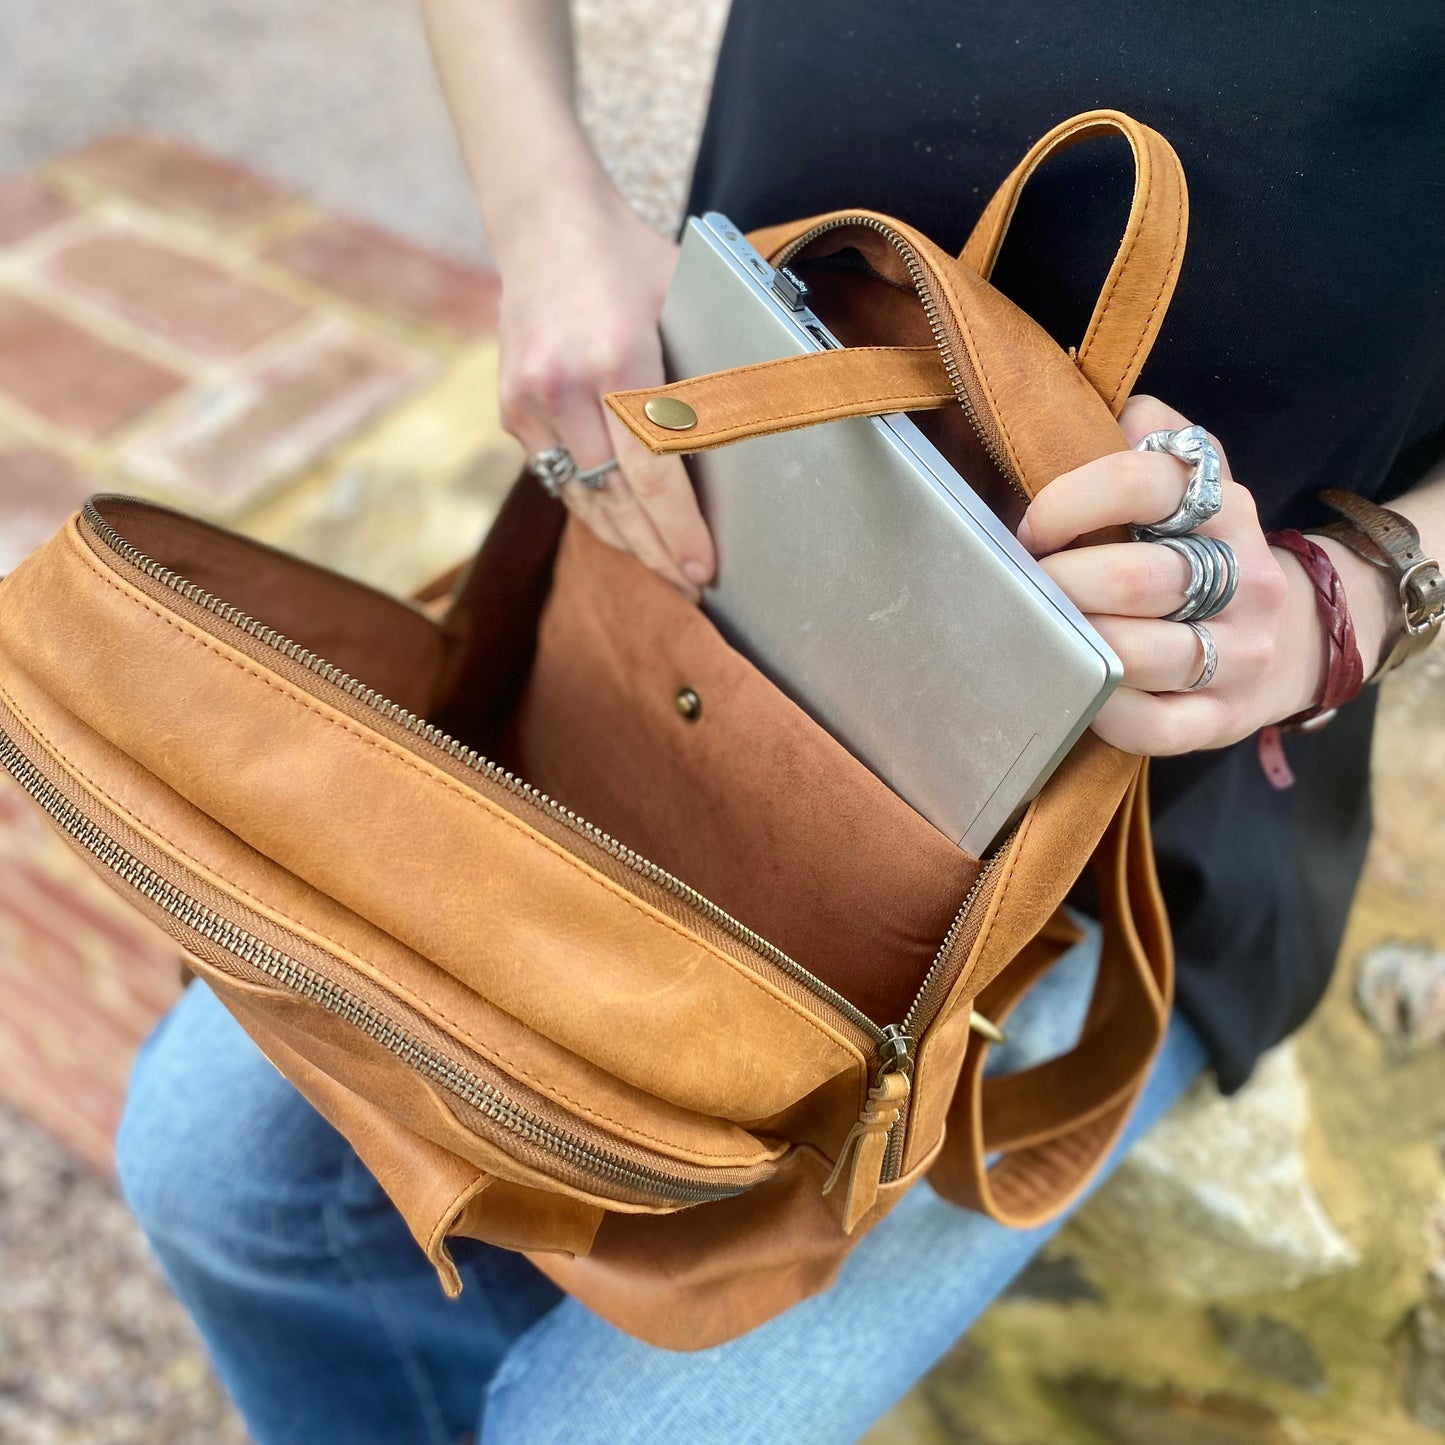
x: 1136, y: 293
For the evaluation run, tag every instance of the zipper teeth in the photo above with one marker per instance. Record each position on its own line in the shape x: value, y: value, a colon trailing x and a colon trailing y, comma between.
x: 469, y: 757
x: 915, y: 1016
x: 196, y: 917
x: 930, y: 309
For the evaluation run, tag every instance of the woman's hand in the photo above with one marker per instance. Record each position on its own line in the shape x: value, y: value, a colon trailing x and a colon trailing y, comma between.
x: 1272, y: 647
x: 580, y: 306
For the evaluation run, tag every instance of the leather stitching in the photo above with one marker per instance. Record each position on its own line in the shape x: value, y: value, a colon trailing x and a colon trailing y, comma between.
x: 755, y: 419
x: 349, y: 955
x: 1158, y: 299
x: 1136, y: 229
x: 345, y: 725
x: 793, y: 420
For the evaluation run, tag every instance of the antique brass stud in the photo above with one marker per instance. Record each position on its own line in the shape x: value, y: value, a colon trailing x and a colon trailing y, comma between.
x: 689, y: 704
x: 669, y: 412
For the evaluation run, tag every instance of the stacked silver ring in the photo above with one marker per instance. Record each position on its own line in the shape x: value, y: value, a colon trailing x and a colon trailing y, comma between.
x: 1213, y: 567
x: 556, y: 466
x: 553, y: 468
x: 1213, y: 576
x: 1211, y: 658
x: 1203, y: 496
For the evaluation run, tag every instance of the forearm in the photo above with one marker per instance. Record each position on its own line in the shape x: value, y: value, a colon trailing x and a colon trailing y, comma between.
x: 506, y: 69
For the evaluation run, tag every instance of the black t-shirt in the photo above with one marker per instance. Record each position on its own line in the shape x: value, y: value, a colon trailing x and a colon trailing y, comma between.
x: 1307, y: 332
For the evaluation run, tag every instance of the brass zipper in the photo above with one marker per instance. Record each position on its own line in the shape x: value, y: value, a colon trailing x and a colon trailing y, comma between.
x: 433, y: 736
x: 923, y: 284
x: 199, y: 921
x: 893, y: 1045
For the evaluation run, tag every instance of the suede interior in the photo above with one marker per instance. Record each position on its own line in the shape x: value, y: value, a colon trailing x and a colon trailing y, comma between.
x: 751, y: 803
x: 387, y: 644
x: 567, y: 672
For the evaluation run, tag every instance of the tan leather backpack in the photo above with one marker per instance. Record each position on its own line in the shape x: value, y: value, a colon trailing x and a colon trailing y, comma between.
x: 683, y: 1053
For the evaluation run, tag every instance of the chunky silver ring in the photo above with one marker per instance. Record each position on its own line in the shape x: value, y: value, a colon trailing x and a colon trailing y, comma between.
x: 595, y: 478
x: 1211, y: 658
x: 553, y: 468
x: 1204, y: 492
x: 1213, y: 576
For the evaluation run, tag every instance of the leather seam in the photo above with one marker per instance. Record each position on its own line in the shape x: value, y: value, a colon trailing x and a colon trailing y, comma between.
x: 1122, y: 264
x: 1159, y: 297
x: 451, y: 785
x: 792, y: 421
x: 350, y: 956
x: 823, y: 413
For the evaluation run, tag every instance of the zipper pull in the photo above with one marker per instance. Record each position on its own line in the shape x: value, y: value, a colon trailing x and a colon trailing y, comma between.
x: 865, y: 1149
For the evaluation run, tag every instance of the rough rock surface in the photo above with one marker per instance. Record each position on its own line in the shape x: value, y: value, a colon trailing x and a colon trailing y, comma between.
x: 1400, y: 988
x: 1217, y: 1198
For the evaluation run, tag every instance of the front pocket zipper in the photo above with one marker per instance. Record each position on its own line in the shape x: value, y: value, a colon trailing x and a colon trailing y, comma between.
x: 575, y: 1152
x: 891, y: 1049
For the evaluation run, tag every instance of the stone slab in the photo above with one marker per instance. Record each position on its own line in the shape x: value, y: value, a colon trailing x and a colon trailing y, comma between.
x: 174, y: 176
x: 69, y: 376
x: 173, y: 294
x: 231, y: 441
x: 383, y: 271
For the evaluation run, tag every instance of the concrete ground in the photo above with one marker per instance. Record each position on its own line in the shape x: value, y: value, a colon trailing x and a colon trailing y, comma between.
x: 339, y: 100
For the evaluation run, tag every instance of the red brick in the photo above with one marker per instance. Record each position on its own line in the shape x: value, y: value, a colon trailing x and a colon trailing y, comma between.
x: 38, y: 491
x: 27, y: 206
x: 177, y: 177
x: 84, y: 979
x: 73, y: 378
x: 392, y: 275
x: 188, y: 300
x: 229, y: 443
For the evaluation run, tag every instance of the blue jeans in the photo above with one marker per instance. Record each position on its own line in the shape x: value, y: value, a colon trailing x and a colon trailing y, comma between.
x: 327, y: 1324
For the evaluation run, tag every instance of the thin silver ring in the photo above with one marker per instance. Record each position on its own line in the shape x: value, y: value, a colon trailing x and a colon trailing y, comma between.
x: 1203, y: 493
x: 1211, y: 657
x: 553, y: 467
x: 1213, y: 576
x: 595, y: 478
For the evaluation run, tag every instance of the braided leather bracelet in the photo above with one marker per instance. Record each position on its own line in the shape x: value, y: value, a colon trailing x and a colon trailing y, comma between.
x: 1345, y: 674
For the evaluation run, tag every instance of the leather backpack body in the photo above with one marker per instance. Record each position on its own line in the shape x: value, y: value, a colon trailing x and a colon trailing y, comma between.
x: 590, y: 942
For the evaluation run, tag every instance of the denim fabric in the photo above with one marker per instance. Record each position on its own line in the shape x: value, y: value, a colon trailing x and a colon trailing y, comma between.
x: 327, y: 1324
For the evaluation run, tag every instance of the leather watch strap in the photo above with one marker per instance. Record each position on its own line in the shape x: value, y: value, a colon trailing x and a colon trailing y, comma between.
x: 1390, y: 541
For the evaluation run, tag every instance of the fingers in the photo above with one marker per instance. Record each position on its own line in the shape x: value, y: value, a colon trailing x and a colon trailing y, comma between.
x: 1157, y: 656
x: 1117, y: 489
x: 1122, y: 579
x: 663, y: 490
x: 1143, y: 414
x: 1167, y: 724
x: 613, y: 510
x: 1112, y: 491
x: 646, y: 505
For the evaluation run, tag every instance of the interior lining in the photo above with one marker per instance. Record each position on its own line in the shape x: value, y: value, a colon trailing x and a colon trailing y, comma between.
x: 377, y: 639
x: 751, y: 803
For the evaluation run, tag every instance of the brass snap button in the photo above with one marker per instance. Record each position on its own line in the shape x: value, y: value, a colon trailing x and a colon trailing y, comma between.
x: 670, y: 412
x: 689, y: 704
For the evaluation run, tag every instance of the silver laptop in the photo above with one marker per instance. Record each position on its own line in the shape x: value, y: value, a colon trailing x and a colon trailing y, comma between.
x: 864, y: 576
